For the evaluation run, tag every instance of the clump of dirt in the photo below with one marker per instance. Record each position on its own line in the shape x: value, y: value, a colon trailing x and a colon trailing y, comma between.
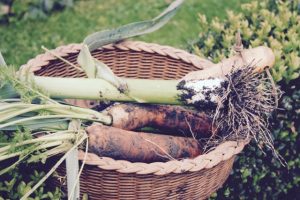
x: 202, y: 94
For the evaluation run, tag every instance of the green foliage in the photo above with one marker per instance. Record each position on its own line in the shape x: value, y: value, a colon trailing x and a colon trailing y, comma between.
x: 22, y: 40
x: 23, y: 85
x: 18, y: 182
x: 13, y: 10
x: 276, y: 24
x: 269, y: 22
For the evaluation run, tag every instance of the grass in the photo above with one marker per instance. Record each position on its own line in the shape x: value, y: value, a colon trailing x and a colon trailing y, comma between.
x: 23, y: 39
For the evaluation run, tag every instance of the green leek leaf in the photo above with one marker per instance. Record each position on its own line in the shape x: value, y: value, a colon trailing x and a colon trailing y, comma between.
x: 86, y: 61
x: 102, y: 38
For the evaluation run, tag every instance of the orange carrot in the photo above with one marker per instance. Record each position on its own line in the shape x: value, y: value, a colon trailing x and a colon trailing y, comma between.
x: 168, y: 118
x: 138, y: 146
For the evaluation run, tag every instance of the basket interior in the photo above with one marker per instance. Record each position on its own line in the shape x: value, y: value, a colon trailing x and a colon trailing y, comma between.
x: 124, y: 63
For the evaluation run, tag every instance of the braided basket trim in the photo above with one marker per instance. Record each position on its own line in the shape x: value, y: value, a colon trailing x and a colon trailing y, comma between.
x: 43, y: 59
x: 222, y: 152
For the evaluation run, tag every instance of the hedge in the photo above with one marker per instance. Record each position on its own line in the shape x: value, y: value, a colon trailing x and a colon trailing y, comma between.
x: 257, y: 174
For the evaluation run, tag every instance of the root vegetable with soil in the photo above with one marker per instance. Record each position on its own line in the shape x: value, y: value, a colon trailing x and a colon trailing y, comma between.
x: 139, y: 146
x: 175, y: 119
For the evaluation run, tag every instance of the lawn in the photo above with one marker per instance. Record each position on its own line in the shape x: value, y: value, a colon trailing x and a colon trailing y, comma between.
x: 22, y: 40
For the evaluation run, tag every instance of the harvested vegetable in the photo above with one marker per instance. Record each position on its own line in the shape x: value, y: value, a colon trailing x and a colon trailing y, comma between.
x: 138, y: 146
x: 143, y: 90
x: 176, y: 119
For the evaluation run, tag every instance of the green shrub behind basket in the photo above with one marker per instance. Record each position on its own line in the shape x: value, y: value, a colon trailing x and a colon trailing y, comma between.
x: 267, y: 22
x: 277, y: 25
x: 259, y: 176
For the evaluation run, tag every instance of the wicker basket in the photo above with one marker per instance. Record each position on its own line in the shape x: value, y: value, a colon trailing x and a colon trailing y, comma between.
x: 106, y: 178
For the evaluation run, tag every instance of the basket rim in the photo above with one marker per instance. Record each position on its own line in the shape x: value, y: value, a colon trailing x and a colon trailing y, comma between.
x: 43, y: 59
x: 222, y: 152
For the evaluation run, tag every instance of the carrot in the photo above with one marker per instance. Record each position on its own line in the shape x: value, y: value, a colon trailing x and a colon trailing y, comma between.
x: 138, y: 146
x: 169, y: 118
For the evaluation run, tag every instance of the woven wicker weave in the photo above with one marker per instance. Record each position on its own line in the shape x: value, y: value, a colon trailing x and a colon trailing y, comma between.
x: 106, y: 178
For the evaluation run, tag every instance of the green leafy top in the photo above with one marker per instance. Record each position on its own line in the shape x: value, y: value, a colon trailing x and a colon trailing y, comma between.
x: 102, y: 38
x: 24, y: 85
